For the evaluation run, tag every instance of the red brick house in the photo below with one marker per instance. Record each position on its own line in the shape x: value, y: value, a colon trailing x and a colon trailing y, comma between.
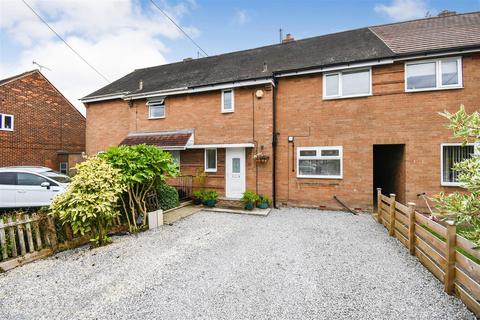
x: 339, y: 114
x: 38, y: 125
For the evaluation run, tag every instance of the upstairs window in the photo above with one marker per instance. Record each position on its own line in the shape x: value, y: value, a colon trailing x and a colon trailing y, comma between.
x: 156, y: 109
x: 210, y: 160
x: 433, y: 74
x: 346, y: 84
x: 319, y: 162
x: 451, y: 154
x: 228, y: 101
x: 6, y: 122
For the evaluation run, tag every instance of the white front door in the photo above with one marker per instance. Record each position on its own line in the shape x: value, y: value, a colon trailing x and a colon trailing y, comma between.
x: 234, y: 172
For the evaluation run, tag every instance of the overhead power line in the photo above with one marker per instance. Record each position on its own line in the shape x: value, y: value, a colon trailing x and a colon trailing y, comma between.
x: 69, y: 46
x: 179, y: 28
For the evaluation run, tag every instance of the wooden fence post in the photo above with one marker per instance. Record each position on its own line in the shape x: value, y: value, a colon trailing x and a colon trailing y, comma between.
x: 411, y: 228
x: 52, y: 233
x: 391, y: 230
x: 450, y: 257
x: 3, y: 241
x: 379, y: 203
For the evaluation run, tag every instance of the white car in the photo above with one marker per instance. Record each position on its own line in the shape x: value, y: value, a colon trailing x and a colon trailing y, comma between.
x: 22, y: 187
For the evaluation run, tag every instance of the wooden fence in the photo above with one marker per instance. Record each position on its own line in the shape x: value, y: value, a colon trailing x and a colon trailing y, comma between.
x: 25, y: 238
x: 450, y: 257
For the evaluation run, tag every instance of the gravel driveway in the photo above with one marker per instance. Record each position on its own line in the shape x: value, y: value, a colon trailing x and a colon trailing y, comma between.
x: 295, y: 263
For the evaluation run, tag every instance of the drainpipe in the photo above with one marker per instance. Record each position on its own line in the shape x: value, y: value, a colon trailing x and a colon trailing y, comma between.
x: 274, y: 143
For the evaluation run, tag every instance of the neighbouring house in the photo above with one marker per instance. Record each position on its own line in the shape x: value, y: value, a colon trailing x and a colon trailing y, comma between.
x: 301, y: 121
x: 38, y: 125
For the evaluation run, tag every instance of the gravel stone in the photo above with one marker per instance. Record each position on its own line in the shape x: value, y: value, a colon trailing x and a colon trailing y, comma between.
x: 293, y: 264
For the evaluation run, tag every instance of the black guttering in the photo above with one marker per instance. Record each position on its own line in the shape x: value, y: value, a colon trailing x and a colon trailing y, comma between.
x: 274, y: 143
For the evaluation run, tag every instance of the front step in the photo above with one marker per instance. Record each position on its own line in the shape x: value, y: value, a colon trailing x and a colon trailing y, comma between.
x: 229, y: 203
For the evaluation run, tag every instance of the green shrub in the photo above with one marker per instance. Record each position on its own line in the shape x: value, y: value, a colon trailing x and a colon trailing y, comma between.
x: 249, y: 197
x: 142, y: 168
x: 167, y: 197
x: 90, y: 202
x: 210, y: 195
x: 198, y: 194
x: 264, y: 199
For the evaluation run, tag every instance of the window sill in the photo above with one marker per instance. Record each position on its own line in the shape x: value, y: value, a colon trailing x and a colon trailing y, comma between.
x: 211, y: 170
x: 451, y: 184
x: 433, y: 89
x: 227, y: 111
x: 155, y: 118
x: 6, y: 129
x: 321, y: 177
x: 348, y: 97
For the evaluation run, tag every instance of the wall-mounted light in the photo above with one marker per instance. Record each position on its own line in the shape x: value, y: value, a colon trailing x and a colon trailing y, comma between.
x: 290, y: 138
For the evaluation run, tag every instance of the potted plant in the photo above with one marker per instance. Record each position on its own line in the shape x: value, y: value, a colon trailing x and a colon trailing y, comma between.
x: 210, y: 198
x: 263, y: 202
x: 249, y: 198
x: 198, y: 196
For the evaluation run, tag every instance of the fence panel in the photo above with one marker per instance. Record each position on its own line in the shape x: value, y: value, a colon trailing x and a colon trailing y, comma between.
x: 436, y: 246
x: 22, y: 239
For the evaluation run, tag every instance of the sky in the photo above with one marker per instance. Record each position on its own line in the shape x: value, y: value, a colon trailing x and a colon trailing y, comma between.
x: 118, y: 36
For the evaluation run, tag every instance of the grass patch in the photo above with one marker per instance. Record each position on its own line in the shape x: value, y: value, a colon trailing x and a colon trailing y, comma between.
x: 460, y: 231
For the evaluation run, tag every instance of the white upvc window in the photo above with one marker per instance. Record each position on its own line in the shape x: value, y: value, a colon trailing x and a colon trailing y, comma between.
x: 63, y: 167
x: 347, y: 84
x: 176, y: 156
x: 210, y: 160
x: 450, y: 154
x: 6, y: 122
x: 228, y: 101
x: 156, y: 108
x: 320, y: 162
x: 436, y: 74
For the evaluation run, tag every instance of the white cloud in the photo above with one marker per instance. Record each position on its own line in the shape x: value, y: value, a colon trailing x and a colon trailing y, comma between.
x: 400, y: 10
x: 240, y: 17
x: 116, y: 37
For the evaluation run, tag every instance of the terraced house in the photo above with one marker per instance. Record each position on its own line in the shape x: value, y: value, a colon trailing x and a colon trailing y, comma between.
x: 304, y: 120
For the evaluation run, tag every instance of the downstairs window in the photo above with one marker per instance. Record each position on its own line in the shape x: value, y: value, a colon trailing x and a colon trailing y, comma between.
x: 451, y: 154
x: 320, y: 162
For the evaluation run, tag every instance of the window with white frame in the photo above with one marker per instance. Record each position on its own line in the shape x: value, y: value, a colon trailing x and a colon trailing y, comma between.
x: 63, y: 167
x: 433, y: 74
x: 345, y: 84
x: 452, y: 153
x: 6, y: 122
x: 156, y: 109
x: 210, y: 160
x: 228, y: 101
x: 176, y: 156
x: 320, y: 162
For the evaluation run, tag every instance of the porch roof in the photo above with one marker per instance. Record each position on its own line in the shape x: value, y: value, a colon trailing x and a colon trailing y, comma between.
x: 168, y: 140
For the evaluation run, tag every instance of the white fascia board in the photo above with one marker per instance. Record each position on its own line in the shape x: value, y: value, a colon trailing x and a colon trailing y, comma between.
x: 339, y: 67
x: 199, y: 89
x: 221, y: 145
x: 435, y: 55
x: 173, y: 148
x: 104, y: 97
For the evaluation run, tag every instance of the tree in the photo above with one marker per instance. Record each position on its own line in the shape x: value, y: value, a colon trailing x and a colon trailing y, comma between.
x: 90, y: 202
x: 142, y: 168
x: 464, y: 207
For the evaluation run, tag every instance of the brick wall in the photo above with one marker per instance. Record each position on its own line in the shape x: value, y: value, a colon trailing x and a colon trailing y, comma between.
x: 109, y: 122
x: 45, y: 122
x: 390, y: 116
